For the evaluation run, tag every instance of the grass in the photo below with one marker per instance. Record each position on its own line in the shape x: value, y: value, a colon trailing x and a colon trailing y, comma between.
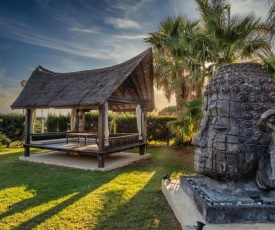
x: 37, y: 196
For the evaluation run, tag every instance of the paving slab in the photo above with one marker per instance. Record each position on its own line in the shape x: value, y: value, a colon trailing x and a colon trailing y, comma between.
x: 187, y: 214
x: 112, y: 161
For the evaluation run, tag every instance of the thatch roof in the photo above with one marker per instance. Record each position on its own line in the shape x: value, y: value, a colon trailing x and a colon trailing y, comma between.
x: 123, y: 86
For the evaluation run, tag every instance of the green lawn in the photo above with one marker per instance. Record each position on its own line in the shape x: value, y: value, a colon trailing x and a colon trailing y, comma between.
x: 37, y: 196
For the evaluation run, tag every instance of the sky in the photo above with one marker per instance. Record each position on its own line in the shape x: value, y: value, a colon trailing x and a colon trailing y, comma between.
x: 74, y: 35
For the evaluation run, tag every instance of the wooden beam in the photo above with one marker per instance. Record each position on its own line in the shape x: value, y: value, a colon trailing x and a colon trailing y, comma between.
x: 124, y: 110
x: 82, y: 107
x: 133, y: 84
x: 120, y: 100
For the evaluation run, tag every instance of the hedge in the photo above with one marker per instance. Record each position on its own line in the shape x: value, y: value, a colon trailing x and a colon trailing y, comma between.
x: 58, y: 123
x: 157, y: 129
x: 13, y: 125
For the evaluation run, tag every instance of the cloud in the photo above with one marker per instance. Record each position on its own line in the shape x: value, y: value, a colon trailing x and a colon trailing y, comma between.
x: 122, y: 23
x: 131, y: 36
x: 87, y: 30
x: 259, y: 7
x: 101, y: 46
x: 128, y: 6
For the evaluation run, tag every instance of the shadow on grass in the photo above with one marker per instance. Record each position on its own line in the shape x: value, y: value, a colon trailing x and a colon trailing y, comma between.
x: 148, y: 208
x: 145, y: 209
x: 48, y: 184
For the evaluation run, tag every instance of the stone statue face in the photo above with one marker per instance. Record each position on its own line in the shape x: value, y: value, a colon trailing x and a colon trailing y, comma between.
x: 230, y: 141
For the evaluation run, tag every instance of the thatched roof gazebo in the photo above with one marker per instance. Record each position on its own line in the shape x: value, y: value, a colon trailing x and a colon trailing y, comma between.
x: 120, y: 88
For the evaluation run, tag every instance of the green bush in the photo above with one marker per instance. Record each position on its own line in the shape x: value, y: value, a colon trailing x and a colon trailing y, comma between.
x: 157, y: 130
x: 91, y: 122
x: 4, y: 140
x: 58, y: 123
x: 52, y: 123
x: 12, y: 126
x: 188, y: 123
x: 126, y: 123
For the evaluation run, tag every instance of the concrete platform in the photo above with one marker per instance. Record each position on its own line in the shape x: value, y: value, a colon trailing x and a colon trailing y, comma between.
x: 112, y: 161
x: 187, y: 214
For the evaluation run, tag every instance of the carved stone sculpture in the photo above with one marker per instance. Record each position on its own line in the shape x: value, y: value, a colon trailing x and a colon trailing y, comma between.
x: 236, y: 141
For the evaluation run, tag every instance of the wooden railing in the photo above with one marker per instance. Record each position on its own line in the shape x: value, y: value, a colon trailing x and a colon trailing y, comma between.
x: 47, y: 136
x: 122, y: 139
x: 116, y: 140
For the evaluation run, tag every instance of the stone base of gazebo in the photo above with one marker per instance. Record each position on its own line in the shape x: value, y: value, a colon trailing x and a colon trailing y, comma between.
x: 113, y: 161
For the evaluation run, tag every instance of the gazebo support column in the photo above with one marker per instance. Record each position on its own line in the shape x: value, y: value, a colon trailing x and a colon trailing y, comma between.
x: 27, y: 132
x: 143, y: 148
x: 100, y: 159
x: 101, y: 125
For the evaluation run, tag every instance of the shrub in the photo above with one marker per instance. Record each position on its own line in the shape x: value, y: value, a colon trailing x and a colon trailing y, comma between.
x: 157, y: 129
x: 91, y: 120
x: 12, y: 126
x: 4, y: 140
x: 188, y: 123
x: 58, y: 123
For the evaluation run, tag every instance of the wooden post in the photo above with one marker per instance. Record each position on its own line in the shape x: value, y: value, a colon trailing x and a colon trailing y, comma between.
x: 27, y: 132
x: 143, y: 148
x: 101, y: 125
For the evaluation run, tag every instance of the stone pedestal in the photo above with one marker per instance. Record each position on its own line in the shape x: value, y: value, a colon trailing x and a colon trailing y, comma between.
x: 187, y: 214
x: 216, y: 207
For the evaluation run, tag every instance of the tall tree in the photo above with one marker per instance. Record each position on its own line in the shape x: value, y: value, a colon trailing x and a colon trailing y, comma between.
x: 186, y: 52
x: 234, y: 38
x: 179, y: 52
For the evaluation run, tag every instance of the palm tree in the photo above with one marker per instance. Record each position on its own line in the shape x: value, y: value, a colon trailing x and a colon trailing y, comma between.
x: 188, y: 123
x: 179, y: 53
x: 269, y: 64
x: 168, y: 68
x: 186, y: 53
x: 182, y: 48
x: 234, y: 38
x: 269, y: 28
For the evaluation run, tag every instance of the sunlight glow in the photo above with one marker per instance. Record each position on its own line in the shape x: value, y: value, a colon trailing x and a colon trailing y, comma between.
x: 18, y: 218
x: 14, y: 195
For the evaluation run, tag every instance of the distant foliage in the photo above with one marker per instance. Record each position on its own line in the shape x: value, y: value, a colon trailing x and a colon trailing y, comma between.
x: 269, y: 65
x: 91, y: 122
x: 157, y: 129
x: 168, y: 111
x: 12, y: 127
x: 63, y: 123
x: 38, y: 126
x: 58, y: 123
x: 4, y: 140
x: 126, y: 123
x: 188, y: 123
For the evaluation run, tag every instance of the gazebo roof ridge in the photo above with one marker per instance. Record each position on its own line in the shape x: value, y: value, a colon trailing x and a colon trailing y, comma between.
x: 137, y: 58
x: 90, y: 88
